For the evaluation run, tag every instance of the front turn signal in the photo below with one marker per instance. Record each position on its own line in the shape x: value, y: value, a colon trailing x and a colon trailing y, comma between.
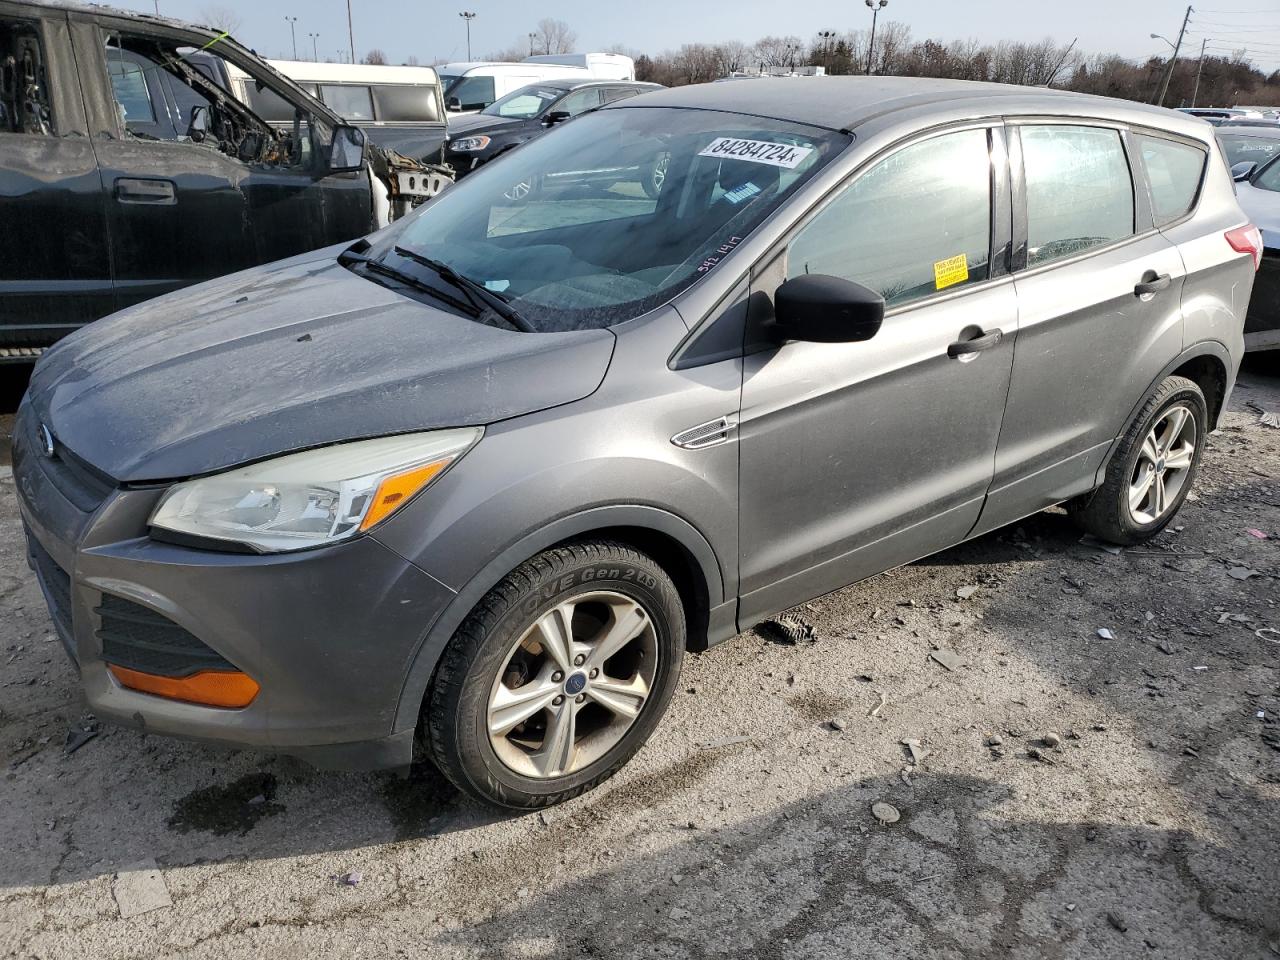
x: 398, y: 489
x: 209, y: 688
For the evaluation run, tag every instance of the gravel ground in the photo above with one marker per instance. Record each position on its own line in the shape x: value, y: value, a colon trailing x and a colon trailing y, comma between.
x: 744, y: 829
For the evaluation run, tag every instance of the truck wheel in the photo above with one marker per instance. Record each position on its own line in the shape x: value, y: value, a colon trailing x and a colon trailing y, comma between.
x: 558, y: 676
x: 1153, y: 469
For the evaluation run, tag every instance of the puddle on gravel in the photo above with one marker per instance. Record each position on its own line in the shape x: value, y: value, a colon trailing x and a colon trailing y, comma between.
x: 234, y: 808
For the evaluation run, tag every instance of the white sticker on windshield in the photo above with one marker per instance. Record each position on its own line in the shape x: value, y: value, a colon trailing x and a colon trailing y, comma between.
x: 784, y: 155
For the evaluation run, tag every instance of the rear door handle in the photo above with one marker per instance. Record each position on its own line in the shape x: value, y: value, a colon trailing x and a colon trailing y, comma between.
x: 1151, y: 284
x: 132, y: 190
x: 969, y: 349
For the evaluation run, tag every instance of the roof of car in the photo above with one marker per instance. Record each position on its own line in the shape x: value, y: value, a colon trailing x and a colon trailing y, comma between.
x: 1260, y: 130
x: 573, y: 83
x: 839, y: 103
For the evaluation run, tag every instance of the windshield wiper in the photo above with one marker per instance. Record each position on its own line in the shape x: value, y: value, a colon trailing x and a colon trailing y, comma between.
x: 472, y: 290
x: 407, y: 279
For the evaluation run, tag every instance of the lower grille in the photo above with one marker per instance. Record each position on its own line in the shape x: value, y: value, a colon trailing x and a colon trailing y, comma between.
x: 56, y: 583
x: 138, y: 638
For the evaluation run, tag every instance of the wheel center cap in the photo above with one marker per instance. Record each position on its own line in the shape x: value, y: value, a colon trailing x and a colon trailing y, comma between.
x: 575, y: 684
x: 1160, y: 465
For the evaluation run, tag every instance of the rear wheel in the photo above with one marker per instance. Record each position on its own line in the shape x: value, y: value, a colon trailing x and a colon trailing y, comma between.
x: 1151, y: 473
x: 558, y: 676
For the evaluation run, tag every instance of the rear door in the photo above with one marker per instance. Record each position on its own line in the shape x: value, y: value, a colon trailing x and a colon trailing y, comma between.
x: 1099, y: 302
x: 55, y: 272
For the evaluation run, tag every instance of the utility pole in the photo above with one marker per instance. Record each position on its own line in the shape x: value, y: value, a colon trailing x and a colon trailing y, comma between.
x: 876, y: 6
x: 315, y: 49
x: 351, y: 33
x: 1173, y: 60
x: 293, y: 35
x: 468, y: 16
x: 1199, y: 70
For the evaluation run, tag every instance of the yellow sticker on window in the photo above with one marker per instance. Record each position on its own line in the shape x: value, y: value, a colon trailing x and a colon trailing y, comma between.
x: 947, y: 273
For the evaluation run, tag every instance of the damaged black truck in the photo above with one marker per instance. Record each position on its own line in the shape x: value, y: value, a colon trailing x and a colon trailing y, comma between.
x: 127, y: 169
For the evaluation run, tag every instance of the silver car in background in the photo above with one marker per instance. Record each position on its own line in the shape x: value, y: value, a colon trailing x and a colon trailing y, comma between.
x: 477, y: 482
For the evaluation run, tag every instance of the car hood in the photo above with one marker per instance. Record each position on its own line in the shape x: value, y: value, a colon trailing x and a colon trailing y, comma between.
x: 1263, y: 209
x: 282, y: 358
x: 480, y: 123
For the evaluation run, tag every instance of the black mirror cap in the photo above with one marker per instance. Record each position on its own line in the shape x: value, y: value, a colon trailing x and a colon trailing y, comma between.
x: 557, y: 116
x: 823, y: 309
x: 1243, y: 170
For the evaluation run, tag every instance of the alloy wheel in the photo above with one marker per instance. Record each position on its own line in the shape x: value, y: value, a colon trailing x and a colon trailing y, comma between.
x: 572, y: 685
x: 1164, y: 465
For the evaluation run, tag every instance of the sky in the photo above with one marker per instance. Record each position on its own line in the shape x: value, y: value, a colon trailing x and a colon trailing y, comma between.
x: 432, y: 31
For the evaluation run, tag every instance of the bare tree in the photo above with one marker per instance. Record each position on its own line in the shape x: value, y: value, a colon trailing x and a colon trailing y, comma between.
x: 777, y: 51
x: 553, y: 36
x: 375, y: 57
x: 223, y: 18
x: 412, y: 62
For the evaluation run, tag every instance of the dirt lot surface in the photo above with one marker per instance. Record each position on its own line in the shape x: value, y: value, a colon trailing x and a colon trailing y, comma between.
x: 745, y: 828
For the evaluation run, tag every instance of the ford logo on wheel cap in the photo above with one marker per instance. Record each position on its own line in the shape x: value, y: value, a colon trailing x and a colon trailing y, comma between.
x: 575, y: 684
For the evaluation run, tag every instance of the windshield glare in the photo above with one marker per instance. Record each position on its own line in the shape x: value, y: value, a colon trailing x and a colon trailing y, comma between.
x: 1257, y: 150
x: 613, y: 214
x: 523, y: 104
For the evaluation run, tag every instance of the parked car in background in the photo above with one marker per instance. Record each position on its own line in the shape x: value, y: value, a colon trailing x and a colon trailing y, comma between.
x: 527, y: 113
x: 400, y: 108
x: 1215, y: 115
x: 127, y: 170
x: 1254, y: 155
x: 473, y: 85
x: 478, y: 481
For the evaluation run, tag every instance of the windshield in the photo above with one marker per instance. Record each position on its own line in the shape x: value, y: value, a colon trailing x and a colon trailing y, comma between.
x: 525, y: 103
x: 1240, y: 147
x: 1269, y: 178
x: 613, y: 214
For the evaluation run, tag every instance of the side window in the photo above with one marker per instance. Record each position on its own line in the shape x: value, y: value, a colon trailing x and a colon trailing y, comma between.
x: 129, y: 87
x: 614, y: 94
x: 349, y: 101
x: 406, y: 103
x: 917, y: 222
x: 1174, y: 171
x: 474, y: 93
x: 24, y: 82
x: 1079, y: 190
x: 580, y: 100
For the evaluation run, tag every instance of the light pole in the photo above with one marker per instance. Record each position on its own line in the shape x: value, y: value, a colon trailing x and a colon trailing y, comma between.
x: 532, y: 38
x: 351, y: 33
x: 468, y: 16
x: 315, y: 50
x: 876, y: 6
x: 293, y: 35
x: 1156, y: 36
x: 826, y: 36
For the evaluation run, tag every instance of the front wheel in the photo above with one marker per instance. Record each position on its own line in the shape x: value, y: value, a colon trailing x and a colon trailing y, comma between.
x: 558, y: 676
x: 1152, y: 471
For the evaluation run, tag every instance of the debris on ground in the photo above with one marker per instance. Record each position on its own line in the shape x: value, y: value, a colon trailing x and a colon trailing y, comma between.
x: 1089, y: 540
x: 788, y: 630
x: 917, y: 751
x: 1051, y: 740
x: 1242, y: 573
x: 875, y: 711
x: 835, y: 723
x: 952, y: 661
x: 725, y: 742
x: 1269, y: 634
x: 1035, y: 753
x: 1257, y: 534
x: 140, y: 888
x: 1117, y: 920
x: 964, y: 593
x: 1268, y: 418
x: 885, y: 813
x: 1106, y: 634
x: 352, y: 879
x: 78, y: 734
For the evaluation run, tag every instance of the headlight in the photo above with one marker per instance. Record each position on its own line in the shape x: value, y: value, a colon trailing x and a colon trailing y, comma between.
x: 313, y: 498
x: 469, y: 144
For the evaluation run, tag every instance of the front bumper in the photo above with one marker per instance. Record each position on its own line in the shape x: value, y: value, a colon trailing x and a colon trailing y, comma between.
x: 329, y: 634
x: 1262, y: 324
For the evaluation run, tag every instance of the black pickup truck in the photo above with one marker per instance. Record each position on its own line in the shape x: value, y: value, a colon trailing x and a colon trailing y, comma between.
x: 127, y: 170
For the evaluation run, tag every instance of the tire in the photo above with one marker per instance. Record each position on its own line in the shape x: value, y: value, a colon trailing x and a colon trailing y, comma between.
x: 500, y: 653
x: 1107, y: 512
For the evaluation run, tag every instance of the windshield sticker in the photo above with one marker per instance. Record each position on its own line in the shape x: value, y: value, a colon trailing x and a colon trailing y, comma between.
x: 744, y: 192
x: 785, y: 155
x: 497, y: 286
x: 947, y: 273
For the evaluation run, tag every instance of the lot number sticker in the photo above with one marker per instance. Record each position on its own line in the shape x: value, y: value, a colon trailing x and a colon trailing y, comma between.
x: 949, y: 272
x: 785, y: 155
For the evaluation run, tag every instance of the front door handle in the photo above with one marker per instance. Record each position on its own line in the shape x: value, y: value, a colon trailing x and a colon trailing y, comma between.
x: 1152, y: 283
x: 133, y: 190
x: 969, y: 349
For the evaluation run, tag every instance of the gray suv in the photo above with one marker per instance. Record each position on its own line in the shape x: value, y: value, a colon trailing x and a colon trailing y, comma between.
x: 475, y: 483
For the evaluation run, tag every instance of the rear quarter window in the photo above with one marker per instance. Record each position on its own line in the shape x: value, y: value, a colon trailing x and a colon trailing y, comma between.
x: 1174, y: 172
x: 350, y: 101
x: 405, y: 103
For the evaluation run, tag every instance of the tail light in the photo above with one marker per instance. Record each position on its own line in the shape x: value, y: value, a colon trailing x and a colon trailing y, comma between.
x: 1247, y: 239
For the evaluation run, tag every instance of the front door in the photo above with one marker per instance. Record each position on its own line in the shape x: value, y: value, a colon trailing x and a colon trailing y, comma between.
x: 858, y: 457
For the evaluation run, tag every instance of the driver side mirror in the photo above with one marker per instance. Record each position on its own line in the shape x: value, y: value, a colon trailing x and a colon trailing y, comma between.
x: 347, y: 152
x: 198, y: 126
x: 822, y: 309
x: 453, y: 105
x: 557, y: 116
x: 1243, y: 170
